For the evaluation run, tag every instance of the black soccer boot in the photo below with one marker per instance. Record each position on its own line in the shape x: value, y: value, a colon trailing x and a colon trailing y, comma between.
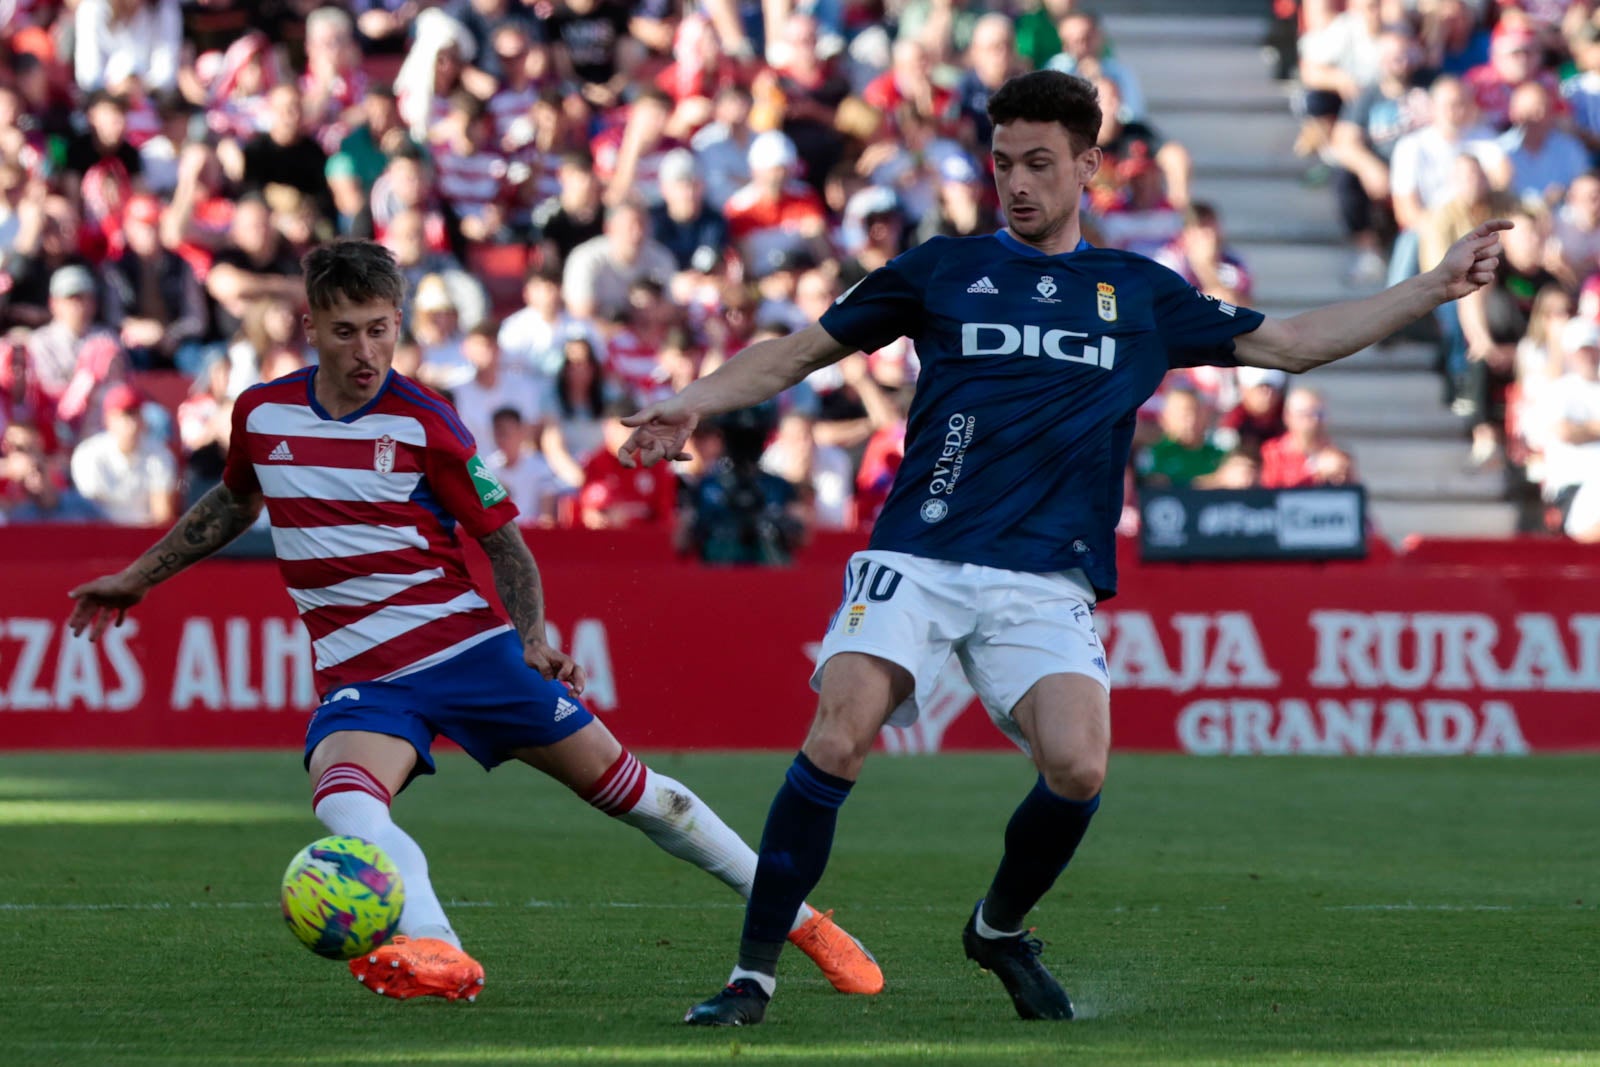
x: 1015, y: 960
x: 740, y: 1003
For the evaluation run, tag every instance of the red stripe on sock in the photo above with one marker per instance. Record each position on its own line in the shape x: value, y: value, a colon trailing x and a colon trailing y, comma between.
x: 619, y: 789
x: 348, y: 778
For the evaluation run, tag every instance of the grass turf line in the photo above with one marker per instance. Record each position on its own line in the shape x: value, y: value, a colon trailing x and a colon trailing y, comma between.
x: 1220, y: 912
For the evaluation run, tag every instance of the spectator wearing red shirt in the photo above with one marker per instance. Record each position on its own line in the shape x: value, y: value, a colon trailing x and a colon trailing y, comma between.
x: 909, y: 81
x: 615, y: 497
x: 1305, y: 454
x: 1515, y: 56
x: 474, y: 176
x: 774, y: 214
x: 1201, y: 255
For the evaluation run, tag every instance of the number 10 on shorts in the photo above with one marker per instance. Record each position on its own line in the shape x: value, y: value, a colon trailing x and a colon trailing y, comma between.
x: 867, y: 581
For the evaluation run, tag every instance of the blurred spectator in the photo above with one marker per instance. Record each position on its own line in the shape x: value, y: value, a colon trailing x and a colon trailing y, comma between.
x: 684, y: 223
x: 1453, y: 40
x: 1492, y: 320
x: 1363, y: 143
x: 493, y: 387
x: 738, y: 513
x: 158, y: 157
x: 774, y: 214
x: 126, y: 473
x: 1544, y: 159
x: 963, y: 208
x: 334, y: 84
x: 237, y: 107
x: 1238, y: 470
x: 533, y: 339
x: 615, y: 497
x: 1568, y: 434
x: 533, y: 486
x: 1515, y: 58
x: 34, y: 485
x: 600, y: 271
x: 1337, y: 62
x: 992, y: 58
x: 1083, y: 52
x: 117, y: 40
x: 634, y: 351
x: 1123, y: 141
x: 436, y: 324
x: 474, y: 177
x: 1298, y: 457
x: 406, y: 237
x: 1258, y: 417
x: 384, y: 24
x: 268, y: 325
x: 1580, y: 93
x: 1201, y: 255
x: 1185, y: 453
x: 432, y: 70
x: 153, y: 298
x: 909, y: 83
x: 873, y: 227
x: 69, y: 358
x: 823, y: 474
x: 593, y: 47
x: 1573, y: 251
x: 574, y: 216
x: 104, y: 144
x: 574, y: 429
x: 47, y: 240
x: 205, y: 422
x: 255, y: 263
x: 722, y: 146
x: 801, y: 96
x: 1141, y: 219
x: 364, y: 153
x: 284, y: 154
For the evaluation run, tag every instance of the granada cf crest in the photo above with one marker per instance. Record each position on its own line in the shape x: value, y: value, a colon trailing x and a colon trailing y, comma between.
x: 1105, y: 301
x: 383, y: 456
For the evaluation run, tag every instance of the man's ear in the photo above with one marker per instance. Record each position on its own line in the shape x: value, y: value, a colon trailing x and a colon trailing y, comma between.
x: 1089, y: 165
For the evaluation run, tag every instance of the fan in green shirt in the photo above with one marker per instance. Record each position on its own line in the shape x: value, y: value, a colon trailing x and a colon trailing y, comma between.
x: 1185, y: 453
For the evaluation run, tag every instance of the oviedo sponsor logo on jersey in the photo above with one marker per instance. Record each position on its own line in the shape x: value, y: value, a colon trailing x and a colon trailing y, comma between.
x: 958, y: 431
x: 1069, y: 346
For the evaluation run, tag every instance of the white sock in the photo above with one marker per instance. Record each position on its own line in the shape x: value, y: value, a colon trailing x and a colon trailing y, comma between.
x: 682, y: 824
x: 989, y: 932
x: 767, y: 982
x: 356, y: 812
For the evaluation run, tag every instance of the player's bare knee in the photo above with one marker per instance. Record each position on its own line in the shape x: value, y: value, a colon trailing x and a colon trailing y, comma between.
x: 1076, y: 777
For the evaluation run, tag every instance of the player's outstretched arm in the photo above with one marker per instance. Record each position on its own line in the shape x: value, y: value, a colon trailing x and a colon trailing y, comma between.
x: 758, y: 373
x: 216, y: 519
x: 1328, y: 333
x: 516, y: 579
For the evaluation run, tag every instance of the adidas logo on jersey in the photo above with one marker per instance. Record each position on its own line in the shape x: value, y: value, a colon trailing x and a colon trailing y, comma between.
x: 983, y: 285
x: 282, y: 453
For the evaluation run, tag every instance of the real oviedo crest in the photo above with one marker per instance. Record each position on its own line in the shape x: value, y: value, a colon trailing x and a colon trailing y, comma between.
x: 383, y: 457
x: 1105, y: 301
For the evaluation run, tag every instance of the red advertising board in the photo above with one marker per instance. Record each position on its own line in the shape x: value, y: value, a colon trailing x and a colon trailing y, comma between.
x: 1400, y: 656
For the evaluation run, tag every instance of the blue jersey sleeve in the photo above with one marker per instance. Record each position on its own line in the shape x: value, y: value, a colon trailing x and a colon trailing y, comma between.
x: 887, y: 304
x: 1198, y: 330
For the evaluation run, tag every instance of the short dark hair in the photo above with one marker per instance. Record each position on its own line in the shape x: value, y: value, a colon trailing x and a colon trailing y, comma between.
x: 359, y: 271
x: 507, y: 414
x: 1050, y: 96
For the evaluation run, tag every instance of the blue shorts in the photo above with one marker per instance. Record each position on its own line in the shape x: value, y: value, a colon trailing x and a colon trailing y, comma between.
x: 487, y: 700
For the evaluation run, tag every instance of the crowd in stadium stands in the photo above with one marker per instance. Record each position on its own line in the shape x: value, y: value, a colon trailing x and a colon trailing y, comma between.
x: 595, y: 201
x: 1434, y: 115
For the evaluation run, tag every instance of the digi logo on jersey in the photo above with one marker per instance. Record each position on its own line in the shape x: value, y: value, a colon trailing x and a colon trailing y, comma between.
x: 1004, y: 339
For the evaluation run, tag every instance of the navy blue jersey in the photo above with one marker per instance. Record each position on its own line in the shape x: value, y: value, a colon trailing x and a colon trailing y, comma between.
x: 1033, y: 370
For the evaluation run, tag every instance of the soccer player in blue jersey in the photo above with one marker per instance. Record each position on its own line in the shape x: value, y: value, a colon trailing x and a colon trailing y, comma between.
x: 997, y: 538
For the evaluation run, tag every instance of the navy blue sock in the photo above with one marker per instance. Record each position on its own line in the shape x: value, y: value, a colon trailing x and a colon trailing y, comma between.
x: 794, y: 853
x: 1040, y: 840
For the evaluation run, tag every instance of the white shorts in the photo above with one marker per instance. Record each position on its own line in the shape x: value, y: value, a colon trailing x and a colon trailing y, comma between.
x: 1583, y: 514
x: 1008, y: 629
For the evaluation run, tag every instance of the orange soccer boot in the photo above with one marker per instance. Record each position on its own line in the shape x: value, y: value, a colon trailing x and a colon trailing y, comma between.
x: 843, y: 960
x: 423, y: 967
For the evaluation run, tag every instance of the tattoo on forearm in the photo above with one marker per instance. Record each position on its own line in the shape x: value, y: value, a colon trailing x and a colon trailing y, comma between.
x: 516, y: 579
x: 216, y: 518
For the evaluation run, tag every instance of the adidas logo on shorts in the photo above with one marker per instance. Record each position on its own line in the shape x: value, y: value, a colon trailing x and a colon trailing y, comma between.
x: 564, y: 707
x: 281, y: 453
x: 983, y: 285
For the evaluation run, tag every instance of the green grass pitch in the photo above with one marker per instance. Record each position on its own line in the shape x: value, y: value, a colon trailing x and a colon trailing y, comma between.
x: 1221, y: 911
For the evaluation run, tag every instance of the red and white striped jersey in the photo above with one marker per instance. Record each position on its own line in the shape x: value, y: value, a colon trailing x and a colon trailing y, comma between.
x: 364, y: 511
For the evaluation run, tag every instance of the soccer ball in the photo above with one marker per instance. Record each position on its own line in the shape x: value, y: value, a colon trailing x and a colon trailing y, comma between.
x: 342, y: 897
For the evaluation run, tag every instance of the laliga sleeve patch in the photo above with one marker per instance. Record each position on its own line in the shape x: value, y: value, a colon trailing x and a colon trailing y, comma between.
x: 490, y: 491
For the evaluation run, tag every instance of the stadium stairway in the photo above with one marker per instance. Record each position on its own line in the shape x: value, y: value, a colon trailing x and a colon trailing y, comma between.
x: 1209, y: 87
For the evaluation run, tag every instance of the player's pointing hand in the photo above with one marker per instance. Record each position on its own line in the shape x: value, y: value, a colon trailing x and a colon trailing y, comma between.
x: 1472, y: 261
x: 659, y: 434
x: 103, y: 602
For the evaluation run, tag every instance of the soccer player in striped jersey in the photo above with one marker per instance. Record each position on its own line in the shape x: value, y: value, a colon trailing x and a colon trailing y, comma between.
x: 369, y: 480
x: 998, y: 535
